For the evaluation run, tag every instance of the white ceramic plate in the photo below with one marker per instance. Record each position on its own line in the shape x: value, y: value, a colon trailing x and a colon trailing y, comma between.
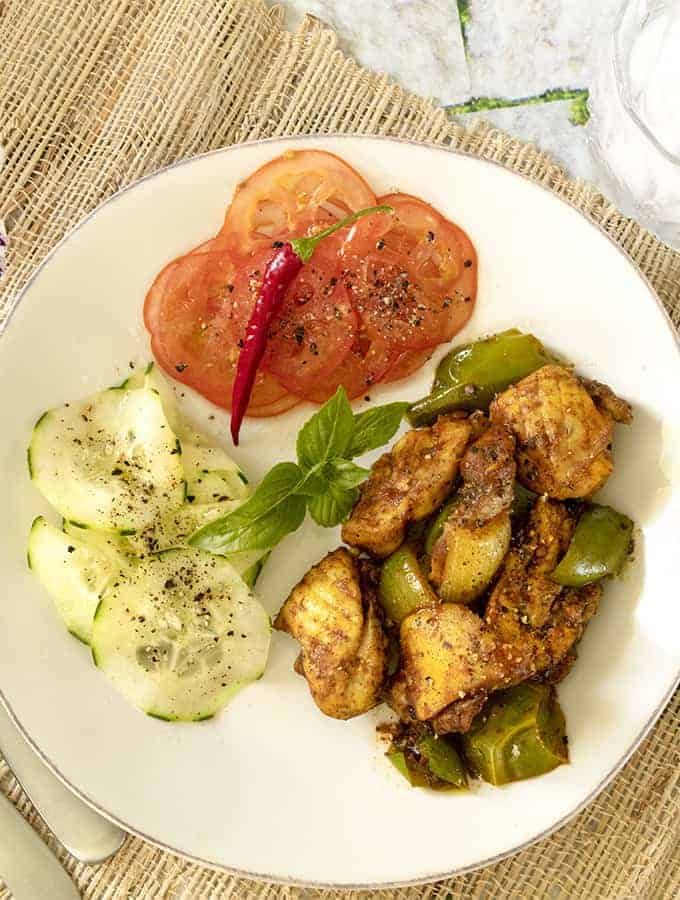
x: 272, y: 788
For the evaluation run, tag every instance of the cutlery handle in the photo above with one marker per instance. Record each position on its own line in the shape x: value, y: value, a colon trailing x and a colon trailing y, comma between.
x: 27, y: 866
x: 83, y: 832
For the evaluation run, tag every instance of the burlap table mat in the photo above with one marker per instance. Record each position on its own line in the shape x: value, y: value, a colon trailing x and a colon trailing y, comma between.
x: 96, y: 93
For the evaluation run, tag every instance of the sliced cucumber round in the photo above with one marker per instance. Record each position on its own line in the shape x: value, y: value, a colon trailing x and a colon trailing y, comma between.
x: 180, y: 635
x: 250, y: 571
x: 73, y: 573
x: 112, y: 462
x: 212, y: 477
x: 155, y: 381
x: 134, y: 380
x: 169, y: 532
x: 103, y: 543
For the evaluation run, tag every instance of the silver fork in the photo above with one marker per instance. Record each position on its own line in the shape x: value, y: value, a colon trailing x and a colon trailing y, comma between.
x: 82, y: 831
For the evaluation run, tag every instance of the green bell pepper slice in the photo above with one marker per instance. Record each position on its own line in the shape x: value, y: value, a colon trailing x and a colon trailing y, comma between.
x: 432, y: 763
x: 470, y: 376
x: 522, y: 501
x: 435, y: 527
x: 600, y: 545
x: 403, y: 585
x: 443, y: 761
x: 398, y: 760
x: 520, y: 733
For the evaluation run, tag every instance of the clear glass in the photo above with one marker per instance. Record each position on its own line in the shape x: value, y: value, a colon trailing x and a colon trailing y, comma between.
x: 634, y: 129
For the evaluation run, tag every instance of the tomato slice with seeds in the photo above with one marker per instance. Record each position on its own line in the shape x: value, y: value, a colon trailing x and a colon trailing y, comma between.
x: 369, y: 358
x: 288, y: 401
x: 292, y: 196
x: 412, y: 276
x: 313, y: 331
x: 406, y: 364
x: 187, y: 311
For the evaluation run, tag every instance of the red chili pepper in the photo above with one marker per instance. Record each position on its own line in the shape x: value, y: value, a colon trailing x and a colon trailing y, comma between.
x: 278, y: 275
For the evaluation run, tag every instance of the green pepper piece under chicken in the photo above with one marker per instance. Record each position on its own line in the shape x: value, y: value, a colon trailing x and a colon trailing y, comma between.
x: 599, y: 547
x: 519, y: 734
x: 403, y: 586
x: 398, y: 760
x: 431, y: 762
x: 470, y: 376
x: 443, y: 760
x: 522, y: 503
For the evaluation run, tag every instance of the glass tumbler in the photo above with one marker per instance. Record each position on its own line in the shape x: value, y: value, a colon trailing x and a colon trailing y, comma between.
x: 634, y: 129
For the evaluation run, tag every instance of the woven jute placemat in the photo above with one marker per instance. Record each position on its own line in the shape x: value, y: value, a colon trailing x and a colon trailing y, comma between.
x: 94, y: 95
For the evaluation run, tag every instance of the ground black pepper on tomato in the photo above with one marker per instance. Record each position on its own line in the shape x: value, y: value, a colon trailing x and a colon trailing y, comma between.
x: 279, y: 273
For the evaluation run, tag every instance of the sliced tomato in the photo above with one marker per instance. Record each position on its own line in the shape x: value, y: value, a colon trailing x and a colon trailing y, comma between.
x: 406, y: 364
x: 293, y: 195
x: 370, y: 357
x: 412, y: 276
x: 273, y: 409
x: 314, y: 330
x: 163, y: 283
x: 188, y: 311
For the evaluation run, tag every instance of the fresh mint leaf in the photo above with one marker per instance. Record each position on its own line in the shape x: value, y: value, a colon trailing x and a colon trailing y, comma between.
x: 344, y: 475
x: 332, y: 507
x: 328, y: 433
x: 375, y: 427
x: 273, y: 511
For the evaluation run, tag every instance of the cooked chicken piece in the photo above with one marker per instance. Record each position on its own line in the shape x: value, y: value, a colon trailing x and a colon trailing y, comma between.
x: 488, y: 473
x: 538, y: 622
x: 396, y: 697
x: 560, y: 670
x: 607, y: 401
x: 525, y: 585
x: 406, y: 485
x: 477, y: 534
x: 531, y: 625
x: 459, y: 716
x: 456, y: 717
x: 333, y: 613
x: 368, y: 675
x: 447, y: 654
x: 563, y: 438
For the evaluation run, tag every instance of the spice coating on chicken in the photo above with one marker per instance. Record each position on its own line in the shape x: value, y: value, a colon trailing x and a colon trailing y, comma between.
x: 563, y: 438
x: 607, y: 401
x: 459, y: 716
x: 531, y: 624
x: 406, y: 485
x: 525, y: 585
x: 447, y: 654
x: 333, y: 613
x: 538, y: 622
x: 476, y: 535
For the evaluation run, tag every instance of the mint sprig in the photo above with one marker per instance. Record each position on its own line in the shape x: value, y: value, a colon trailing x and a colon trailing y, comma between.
x: 324, y: 481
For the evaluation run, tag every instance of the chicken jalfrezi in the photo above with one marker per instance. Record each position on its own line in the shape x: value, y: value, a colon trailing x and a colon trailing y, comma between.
x: 474, y: 565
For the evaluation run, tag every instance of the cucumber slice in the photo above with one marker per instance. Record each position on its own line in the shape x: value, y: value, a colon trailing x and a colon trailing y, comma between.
x: 112, y: 462
x: 252, y: 572
x: 104, y: 543
x: 134, y: 381
x: 169, y: 532
x: 155, y: 381
x: 180, y: 635
x: 73, y: 574
x: 212, y: 477
x: 172, y: 529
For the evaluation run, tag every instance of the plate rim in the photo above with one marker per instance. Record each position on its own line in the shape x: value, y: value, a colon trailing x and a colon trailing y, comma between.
x: 343, y: 886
